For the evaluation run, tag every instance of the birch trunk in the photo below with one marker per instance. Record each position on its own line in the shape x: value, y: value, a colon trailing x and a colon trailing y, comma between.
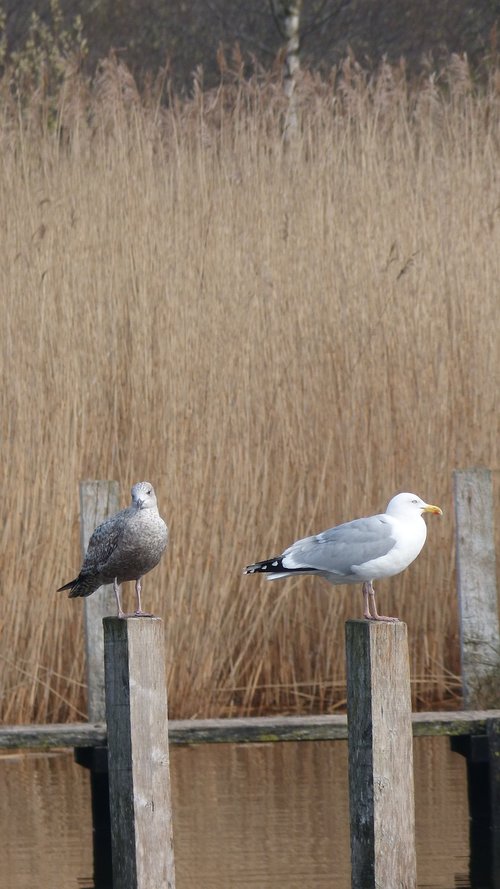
x: 287, y: 17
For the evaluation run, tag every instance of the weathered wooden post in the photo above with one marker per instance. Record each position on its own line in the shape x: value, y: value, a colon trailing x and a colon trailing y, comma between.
x: 381, y: 796
x: 480, y: 662
x: 98, y: 500
x: 477, y: 588
x: 139, y: 775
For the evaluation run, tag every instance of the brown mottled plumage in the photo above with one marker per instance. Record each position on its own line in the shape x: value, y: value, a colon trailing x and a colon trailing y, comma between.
x: 124, y: 547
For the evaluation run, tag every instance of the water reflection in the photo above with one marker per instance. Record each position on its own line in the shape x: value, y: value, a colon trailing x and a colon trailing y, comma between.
x: 264, y: 816
x: 45, y: 822
x: 267, y: 815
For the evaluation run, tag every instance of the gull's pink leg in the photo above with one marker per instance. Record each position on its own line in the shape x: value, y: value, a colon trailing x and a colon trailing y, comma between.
x: 139, y: 612
x: 366, y: 593
x: 121, y: 612
x: 370, y: 612
x: 116, y: 589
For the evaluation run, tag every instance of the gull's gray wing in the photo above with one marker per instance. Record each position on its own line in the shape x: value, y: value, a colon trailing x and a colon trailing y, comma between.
x: 104, y: 541
x: 337, y: 550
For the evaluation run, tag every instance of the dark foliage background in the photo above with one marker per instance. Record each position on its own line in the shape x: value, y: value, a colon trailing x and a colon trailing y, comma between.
x: 147, y: 35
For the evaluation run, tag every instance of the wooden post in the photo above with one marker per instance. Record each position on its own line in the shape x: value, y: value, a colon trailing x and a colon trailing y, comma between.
x: 98, y: 500
x: 139, y: 777
x: 477, y: 590
x: 381, y: 796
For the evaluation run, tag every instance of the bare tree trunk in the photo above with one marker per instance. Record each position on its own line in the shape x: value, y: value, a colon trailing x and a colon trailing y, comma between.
x: 291, y: 28
x: 286, y: 15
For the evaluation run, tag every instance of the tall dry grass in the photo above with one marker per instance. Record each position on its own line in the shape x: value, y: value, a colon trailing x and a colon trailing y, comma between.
x: 278, y: 338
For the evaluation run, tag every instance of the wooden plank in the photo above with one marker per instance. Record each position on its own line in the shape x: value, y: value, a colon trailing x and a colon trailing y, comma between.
x: 315, y: 728
x: 381, y: 796
x: 49, y: 737
x: 98, y: 500
x: 258, y: 729
x: 451, y: 723
x: 477, y: 588
x: 138, y: 760
x: 247, y: 730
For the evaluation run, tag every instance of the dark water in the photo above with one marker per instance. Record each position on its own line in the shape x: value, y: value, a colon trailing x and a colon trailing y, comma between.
x: 266, y: 816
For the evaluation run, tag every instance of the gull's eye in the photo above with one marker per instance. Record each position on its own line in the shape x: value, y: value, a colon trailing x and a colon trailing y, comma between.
x: 414, y: 501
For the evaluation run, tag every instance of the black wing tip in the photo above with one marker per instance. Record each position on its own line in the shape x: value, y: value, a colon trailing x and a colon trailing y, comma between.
x: 250, y: 569
x: 76, y: 587
x: 269, y: 566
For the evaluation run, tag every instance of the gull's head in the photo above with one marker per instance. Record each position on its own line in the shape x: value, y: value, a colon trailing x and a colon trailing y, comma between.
x: 410, y: 505
x: 143, y: 495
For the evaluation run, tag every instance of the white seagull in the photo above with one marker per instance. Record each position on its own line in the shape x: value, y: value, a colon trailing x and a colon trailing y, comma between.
x: 360, y: 551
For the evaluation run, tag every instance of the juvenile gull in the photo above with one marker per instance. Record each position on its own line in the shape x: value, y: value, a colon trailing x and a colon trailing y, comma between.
x: 124, y: 547
x: 358, y: 552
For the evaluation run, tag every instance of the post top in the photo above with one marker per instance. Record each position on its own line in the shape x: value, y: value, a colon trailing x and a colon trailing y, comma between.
x: 375, y: 623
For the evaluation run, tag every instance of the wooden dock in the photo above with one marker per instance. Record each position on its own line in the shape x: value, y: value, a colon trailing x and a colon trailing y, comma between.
x: 129, y: 771
x: 254, y: 729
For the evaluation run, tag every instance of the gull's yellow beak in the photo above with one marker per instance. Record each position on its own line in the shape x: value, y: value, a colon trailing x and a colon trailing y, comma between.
x: 434, y: 509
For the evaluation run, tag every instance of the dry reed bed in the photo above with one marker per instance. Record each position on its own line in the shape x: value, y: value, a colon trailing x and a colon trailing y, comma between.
x: 278, y: 339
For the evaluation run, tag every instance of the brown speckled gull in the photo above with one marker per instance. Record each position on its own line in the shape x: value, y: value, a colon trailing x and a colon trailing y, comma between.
x: 124, y: 547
